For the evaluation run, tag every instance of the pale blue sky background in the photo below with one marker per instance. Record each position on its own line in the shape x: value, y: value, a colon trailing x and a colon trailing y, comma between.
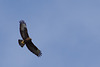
x: 66, y: 31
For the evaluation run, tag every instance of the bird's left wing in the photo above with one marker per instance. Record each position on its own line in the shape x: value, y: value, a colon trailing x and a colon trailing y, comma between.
x: 33, y: 48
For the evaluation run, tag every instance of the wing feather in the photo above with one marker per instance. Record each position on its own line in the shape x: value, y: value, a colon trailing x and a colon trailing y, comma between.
x: 23, y: 30
x: 33, y: 48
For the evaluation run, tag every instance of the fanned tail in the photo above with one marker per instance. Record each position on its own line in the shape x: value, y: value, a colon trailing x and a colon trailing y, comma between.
x: 21, y: 42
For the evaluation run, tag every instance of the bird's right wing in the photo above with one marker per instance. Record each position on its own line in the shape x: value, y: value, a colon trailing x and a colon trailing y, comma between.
x: 23, y: 30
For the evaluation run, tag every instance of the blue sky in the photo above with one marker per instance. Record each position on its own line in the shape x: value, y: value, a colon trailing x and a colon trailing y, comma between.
x: 66, y: 31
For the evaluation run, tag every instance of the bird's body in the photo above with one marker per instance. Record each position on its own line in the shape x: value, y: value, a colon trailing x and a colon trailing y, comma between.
x: 27, y: 40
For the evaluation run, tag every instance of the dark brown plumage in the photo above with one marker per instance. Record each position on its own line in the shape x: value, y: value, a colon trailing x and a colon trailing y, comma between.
x: 27, y: 40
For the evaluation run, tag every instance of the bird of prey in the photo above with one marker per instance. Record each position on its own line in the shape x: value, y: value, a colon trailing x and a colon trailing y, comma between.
x: 27, y: 40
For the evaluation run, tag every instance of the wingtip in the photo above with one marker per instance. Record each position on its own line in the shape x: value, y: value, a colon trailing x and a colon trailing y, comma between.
x: 22, y: 21
x: 40, y: 54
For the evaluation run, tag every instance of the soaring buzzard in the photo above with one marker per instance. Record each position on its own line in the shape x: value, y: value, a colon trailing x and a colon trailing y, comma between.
x: 27, y: 40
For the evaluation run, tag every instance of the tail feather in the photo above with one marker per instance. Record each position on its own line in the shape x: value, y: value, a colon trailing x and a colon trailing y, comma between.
x: 21, y: 42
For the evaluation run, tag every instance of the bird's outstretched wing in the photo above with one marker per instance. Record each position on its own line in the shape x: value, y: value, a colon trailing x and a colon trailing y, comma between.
x: 27, y: 40
x: 33, y: 48
x: 23, y: 30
